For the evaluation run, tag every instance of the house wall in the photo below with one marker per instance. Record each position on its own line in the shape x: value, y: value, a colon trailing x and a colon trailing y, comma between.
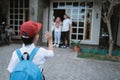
x: 96, y: 23
x: 45, y: 23
x: 118, y: 36
x: 33, y: 10
x: 39, y: 13
x: 43, y: 11
x: 96, y: 19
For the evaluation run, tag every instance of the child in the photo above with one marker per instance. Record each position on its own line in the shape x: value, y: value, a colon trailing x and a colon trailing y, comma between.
x: 29, y: 35
x: 57, y: 31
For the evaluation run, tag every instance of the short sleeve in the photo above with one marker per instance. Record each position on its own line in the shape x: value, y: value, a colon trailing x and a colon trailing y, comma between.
x: 47, y: 53
x: 14, y: 60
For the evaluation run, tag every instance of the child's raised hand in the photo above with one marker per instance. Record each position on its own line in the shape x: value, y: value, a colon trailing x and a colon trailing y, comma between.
x: 48, y: 36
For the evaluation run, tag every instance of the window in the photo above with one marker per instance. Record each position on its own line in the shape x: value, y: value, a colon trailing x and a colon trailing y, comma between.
x: 55, y: 5
x: 82, y: 4
x: 75, y: 4
x: 17, y: 13
x: 68, y: 4
x: 88, y: 24
x: 89, y: 4
x: 62, y: 4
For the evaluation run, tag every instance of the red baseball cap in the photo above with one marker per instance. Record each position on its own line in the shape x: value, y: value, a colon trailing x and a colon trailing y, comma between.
x: 29, y: 29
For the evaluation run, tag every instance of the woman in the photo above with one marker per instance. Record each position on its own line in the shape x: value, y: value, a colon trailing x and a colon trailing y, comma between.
x: 57, y: 31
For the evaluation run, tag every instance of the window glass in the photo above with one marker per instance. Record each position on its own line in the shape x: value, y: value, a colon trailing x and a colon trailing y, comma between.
x: 26, y: 3
x: 88, y: 24
x: 81, y: 24
x: 80, y: 30
x: 68, y: 4
x: 11, y: 11
x: 80, y: 37
x: 55, y: 5
x: 74, y: 36
x: 21, y: 3
x: 16, y: 16
x: 75, y: 4
x: 16, y: 11
x: 16, y: 3
x: 74, y: 24
x: 89, y: 4
x: 62, y: 4
x: 75, y: 11
x: 11, y: 4
x: 74, y: 30
x: 82, y: 4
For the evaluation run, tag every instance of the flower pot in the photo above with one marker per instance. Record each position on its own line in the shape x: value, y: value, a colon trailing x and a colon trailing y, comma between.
x: 76, y: 48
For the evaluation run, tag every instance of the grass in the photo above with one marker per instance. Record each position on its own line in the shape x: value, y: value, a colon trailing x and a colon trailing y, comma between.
x: 99, y: 57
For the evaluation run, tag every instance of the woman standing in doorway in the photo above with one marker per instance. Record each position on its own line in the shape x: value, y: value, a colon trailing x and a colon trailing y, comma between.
x: 57, y: 31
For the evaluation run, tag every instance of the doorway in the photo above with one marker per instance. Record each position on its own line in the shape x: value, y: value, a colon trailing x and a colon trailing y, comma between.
x: 26, y: 14
x: 59, y: 13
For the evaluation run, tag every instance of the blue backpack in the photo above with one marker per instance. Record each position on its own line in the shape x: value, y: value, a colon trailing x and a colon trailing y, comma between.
x: 26, y: 69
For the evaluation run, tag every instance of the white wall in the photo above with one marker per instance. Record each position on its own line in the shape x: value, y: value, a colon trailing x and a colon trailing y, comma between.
x: 45, y: 23
x: 96, y: 22
x: 118, y: 35
x: 33, y: 10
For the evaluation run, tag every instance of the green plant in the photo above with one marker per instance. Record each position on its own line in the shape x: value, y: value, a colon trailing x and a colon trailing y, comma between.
x: 99, y: 57
x: 75, y: 43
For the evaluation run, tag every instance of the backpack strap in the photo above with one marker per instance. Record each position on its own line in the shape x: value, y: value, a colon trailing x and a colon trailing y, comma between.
x: 34, y: 51
x: 19, y: 54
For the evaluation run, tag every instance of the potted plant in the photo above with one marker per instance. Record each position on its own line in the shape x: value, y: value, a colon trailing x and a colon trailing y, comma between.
x: 75, y: 45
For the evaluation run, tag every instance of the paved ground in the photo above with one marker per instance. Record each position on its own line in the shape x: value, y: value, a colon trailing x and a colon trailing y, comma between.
x: 65, y: 66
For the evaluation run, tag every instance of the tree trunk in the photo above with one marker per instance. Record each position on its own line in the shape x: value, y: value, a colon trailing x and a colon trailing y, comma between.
x: 110, y: 48
x: 111, y: 42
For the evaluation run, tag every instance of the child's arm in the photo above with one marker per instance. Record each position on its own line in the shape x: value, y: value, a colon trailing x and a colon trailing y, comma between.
x: 48, y: 36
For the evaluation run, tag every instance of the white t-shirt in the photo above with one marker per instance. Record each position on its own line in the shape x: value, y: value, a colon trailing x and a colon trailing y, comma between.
x: 57, y: 29
x: 40, y: 57
x: 66, y: 25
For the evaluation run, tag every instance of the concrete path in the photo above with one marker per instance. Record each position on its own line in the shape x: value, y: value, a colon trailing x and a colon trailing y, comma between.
x: 65, y: 66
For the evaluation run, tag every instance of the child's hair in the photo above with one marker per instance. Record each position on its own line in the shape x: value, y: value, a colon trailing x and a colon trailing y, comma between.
x: 27, y: 41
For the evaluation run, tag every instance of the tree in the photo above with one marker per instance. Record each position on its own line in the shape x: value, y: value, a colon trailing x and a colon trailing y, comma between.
x: 107, y: 11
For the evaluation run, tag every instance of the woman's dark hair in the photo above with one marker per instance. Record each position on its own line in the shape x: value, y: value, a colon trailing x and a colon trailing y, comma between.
x: 27, y: 41
x: 67, y: 15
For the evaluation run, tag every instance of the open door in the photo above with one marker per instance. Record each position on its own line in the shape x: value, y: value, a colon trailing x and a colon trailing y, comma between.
x: 26, y: 13
x: 59, y: 13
